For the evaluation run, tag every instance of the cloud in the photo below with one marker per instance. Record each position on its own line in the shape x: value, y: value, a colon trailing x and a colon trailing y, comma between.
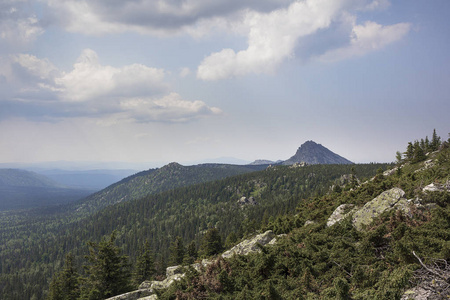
x: 17, y: 26
x: 170, y: 108
x: 272, y: 38
x: 154, y: 17
x: 132, y: 93
x: 367, y: 38
x: 89, y: 79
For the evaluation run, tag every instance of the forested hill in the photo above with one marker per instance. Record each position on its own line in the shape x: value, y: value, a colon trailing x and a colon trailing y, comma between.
x: 21, y: 189
x: 155, y: 181
x: 31, y: 250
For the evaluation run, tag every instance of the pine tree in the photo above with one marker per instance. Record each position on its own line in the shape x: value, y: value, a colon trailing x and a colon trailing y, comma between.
x: 435, y: 141
x: 191, y: 253
x: 211, y: 243
x: 65, y: 285
x: 419, y: 155
x: 409, y: 154
x: 107, y: 270
x: 177, y: 251
x: 145, y: 266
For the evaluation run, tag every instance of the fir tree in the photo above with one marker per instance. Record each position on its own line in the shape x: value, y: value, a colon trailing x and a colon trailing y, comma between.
x: 145, y: 266
x: 177, y: 251
x: 211, y: 243
x: 435, y: 141
x: 191, y: 253
x: 65, y: 285
x: 107, y: 270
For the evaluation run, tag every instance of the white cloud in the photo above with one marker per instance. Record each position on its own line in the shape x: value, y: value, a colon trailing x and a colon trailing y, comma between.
x: 132, y: 93
x: 17, y: 28
x: 41, y: 68
x: 184, y: 72
x: 170, y: 108
x: 272, y: 38
x: 367, y: 38
x: 89, y: 79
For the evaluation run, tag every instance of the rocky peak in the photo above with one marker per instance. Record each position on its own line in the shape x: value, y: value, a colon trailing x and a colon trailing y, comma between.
x: 312, y: 153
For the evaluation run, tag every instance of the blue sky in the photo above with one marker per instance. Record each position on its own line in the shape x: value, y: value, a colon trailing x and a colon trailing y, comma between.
x: 171, y: 80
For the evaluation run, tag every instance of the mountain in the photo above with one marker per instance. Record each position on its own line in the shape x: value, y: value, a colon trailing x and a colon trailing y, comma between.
x: 87, y: 179
x: 20, y: 189
x: 313, y: 153
x: 32, y: 248
x: 155, y: 181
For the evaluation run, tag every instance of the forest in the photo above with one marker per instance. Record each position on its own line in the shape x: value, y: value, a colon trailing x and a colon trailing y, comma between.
x: 46, y: 251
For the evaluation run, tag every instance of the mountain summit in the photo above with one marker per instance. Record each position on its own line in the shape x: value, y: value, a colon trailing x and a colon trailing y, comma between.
x: 313, y: 153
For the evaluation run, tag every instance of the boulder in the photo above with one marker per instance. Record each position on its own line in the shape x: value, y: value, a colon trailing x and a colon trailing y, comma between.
x: 247, y: 201
x: 134, y: 295
x: 170, y: 271
x: 417, y: 293
x: 374, y: 208
x: 437, y: 187
x: 248, y: 246
x: 340, y: 213
x: 309, y: 222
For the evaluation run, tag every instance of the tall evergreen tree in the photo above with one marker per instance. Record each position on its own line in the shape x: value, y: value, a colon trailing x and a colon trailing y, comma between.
x: 419, y: 154
x: 145, y: 266
x: 107, y: 270
x: 435, y: 141
x: 65, y: 285
x: 191, y: 253
x: 211, y: 243
x: 177, y: 251
x: 409, y: 154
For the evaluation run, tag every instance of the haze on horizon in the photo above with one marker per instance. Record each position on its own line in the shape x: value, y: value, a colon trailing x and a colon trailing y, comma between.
x: 162, y: 81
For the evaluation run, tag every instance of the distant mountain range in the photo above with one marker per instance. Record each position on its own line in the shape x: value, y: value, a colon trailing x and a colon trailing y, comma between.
x: 24, y: 189
x: 311, y: 153
x: 20, y: 189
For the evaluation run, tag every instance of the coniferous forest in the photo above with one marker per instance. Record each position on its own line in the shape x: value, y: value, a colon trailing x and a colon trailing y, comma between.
x: 57, y: 253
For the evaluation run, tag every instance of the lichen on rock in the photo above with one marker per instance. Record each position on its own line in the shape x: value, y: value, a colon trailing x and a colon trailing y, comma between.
x: 374, y: 208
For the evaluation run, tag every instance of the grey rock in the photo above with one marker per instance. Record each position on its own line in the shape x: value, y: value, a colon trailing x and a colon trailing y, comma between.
x: 417, y: 293
x: 309, y: 222
x: 340, y: 213
x: 134, y: 295
x: 437, y: 187
x: 247, y: 201
x: 374, y: 208
x: 170, y: 271
x: 249, y: 246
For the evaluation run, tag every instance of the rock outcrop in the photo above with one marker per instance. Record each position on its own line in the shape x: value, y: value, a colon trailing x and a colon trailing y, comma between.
x: 341, y: 212
x: 437, y: 187
x: 174, y: 273
x: 372, y: 209
x: 248, y: 246
x: 247, y: 201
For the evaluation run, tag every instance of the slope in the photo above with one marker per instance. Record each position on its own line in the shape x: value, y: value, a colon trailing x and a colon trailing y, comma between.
x: 186, y: 212
x: 154, y: 181
x: 313, y: 153
x: 404, y: 247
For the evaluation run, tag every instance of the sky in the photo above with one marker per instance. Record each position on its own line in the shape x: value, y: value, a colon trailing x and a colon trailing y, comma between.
x: 151, y: 82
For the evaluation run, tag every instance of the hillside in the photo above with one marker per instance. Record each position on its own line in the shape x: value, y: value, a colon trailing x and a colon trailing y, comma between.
x: 387, y: 238
x: 186, y: 212
x: 20, y: 189
x: 154, y: 181
x: 313, y: 153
